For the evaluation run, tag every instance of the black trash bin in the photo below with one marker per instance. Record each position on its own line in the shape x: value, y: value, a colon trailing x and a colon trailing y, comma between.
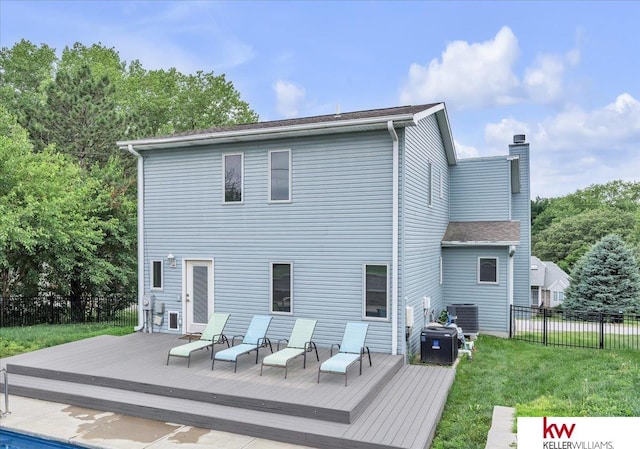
x: 439, y: 345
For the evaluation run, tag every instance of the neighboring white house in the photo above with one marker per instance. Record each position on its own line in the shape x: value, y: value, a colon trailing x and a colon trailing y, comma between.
x: 548, y: 283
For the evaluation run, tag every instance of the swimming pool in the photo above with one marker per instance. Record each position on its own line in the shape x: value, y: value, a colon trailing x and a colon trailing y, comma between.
x: 14, y: 440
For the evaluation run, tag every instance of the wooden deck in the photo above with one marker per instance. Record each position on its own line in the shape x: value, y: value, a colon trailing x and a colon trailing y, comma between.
x: 390, y: 406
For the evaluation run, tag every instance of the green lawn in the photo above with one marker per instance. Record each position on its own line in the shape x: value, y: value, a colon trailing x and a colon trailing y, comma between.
x: 537, y: 380
x: 16, y: 340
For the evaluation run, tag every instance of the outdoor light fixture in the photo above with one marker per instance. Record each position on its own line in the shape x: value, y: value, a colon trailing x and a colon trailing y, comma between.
x: 172, y: 260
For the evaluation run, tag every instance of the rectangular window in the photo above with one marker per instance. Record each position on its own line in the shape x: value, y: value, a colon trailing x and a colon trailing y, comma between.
x: 430, y: 183
x: 233, y: 167
x: 280, y: 175
x: 376, y: 294
x: 156, y: 275
x: 281, y: 287
x: 488, y: 270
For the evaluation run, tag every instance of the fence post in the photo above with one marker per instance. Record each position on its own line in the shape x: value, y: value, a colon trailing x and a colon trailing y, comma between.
x: 601, y: 330
x: 511, y: 321
x: 544, y: 326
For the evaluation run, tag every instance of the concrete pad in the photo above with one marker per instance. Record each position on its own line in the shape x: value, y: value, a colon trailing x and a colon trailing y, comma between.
x: 269, y: 444
x: 49, y: 419
x: 195, y: 438
x: 124, y: 432
x: 501, y: 434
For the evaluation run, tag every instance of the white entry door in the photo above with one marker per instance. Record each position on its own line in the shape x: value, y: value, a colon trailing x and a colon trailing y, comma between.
x: 199, y: 294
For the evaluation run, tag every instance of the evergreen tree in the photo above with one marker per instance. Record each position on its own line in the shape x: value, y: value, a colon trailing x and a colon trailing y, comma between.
x: 606, y: 278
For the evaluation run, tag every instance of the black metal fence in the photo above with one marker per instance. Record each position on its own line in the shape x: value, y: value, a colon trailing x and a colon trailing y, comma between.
x: 29, y: 311
x: 556, y: 327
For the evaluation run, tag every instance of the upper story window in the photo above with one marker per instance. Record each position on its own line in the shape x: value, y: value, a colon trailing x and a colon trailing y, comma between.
x: 281, y: 287
x: 376, y: 291
x: 488, y: 270
x: 156, y: 274
x: 233, y: 168
x: 280, y: 175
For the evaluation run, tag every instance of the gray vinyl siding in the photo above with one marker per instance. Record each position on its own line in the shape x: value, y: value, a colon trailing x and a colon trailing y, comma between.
x: 339, y: 219
x: 480, y: 189
x: 521, y: 210
x: 422, y: 225
x: 461, y: 285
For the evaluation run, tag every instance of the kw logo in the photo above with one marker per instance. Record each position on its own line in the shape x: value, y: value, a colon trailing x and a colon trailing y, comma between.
x: 552, y: 430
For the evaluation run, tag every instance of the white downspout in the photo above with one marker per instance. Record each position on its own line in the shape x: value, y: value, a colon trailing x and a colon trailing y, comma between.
x: 395, y: 240
x: 140, y: 236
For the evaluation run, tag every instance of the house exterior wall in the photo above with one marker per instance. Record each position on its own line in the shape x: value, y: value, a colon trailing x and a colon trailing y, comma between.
x: 340, y: 218
x: 521, y: 211
x: 423, y: 224
x: 481, y: 191
x: 461, y: 284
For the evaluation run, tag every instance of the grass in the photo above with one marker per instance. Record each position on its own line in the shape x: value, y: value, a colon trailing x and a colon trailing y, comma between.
x: 538, y: 381
x: 16, y: 340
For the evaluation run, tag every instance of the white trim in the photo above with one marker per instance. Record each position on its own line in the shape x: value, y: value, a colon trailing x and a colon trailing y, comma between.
x: 140, y: 210
x: 430, y: 175
x: 441, y: 271
x: 224, y: 177
x: 450, y: 244
x: 269, y: 199
x: 441, y: 182
x: 395, y: 238
x: 177, y: 315
x: 184, y: 267
x: 497, y: 281
x: 152, y: 287
x: 364, y: 292
x: 276, y: 131
x: 279, y: 312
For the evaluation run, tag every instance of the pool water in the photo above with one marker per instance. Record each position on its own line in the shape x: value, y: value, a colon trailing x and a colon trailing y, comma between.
x: 14, y: 440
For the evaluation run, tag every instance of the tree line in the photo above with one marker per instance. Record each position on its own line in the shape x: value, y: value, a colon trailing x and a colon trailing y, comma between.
x: 67, y: 194
x: 593, y: 234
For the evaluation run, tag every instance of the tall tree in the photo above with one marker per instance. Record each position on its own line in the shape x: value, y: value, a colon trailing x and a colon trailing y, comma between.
x: 605, y: 279
x: 80, y: 116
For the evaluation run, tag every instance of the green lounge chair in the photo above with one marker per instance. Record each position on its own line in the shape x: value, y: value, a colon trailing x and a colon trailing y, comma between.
x: 350, y: 351
x: 253, y: 340
x: 212, y: 334
x: 298, y: 344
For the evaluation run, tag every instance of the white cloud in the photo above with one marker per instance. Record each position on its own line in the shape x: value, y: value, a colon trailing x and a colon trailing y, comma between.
x: 499, y: 135
x: 465, y: 151
x: 473, y: 75
x: 468, y: 75
x: 288, y: 98
x: 577, y: 148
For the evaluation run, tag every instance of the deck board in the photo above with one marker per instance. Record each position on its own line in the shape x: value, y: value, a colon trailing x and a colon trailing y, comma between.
x: 389, y: 406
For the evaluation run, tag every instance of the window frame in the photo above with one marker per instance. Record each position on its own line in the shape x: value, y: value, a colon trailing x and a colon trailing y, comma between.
x: 271, y: 308
x: 270, y: 187
x: 364, y: 292
x: 152, y: 273
x: 224, y: 178
x: 497, y: 260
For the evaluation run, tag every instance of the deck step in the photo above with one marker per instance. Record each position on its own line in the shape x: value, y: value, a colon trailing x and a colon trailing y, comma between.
x: 408, y: 424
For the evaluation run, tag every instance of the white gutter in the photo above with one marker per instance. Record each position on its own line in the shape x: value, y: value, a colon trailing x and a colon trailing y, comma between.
x: 237, y: 135
x: 140, y: 236
x: 395, y: 240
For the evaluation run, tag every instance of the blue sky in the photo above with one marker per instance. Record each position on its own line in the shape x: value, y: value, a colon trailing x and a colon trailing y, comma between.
x: 566, y: 74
